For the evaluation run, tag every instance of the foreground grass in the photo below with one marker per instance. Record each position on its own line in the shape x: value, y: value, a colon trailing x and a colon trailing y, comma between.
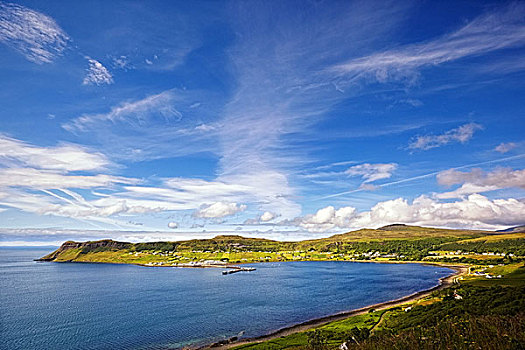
x: 469, y: 332
x: 337, y: 330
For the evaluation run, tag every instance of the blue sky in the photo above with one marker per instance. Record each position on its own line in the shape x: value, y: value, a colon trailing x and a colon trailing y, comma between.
x: 172, y: 119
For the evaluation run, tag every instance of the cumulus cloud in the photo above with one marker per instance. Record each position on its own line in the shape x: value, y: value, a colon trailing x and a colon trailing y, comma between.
x: 372, y: 172
x: 97, y: 74
x: 35, y: 35
x: 219, y: 210
x: 474, y: 211
x: 173, y: 225
x: 267, y: 216
x: 487, y: 33
x: 461, y: 134
x: 327, y: 218
x: 263, y: 218
x: 505, y: 147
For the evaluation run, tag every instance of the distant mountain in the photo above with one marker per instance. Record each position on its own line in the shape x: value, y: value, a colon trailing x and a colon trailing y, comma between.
x: 515, y: 229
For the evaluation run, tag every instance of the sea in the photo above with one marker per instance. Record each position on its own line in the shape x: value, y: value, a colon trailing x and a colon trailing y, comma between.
x: 47, y: 305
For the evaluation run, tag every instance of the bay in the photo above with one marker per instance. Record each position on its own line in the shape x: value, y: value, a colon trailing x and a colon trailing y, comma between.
x: 110, y: 306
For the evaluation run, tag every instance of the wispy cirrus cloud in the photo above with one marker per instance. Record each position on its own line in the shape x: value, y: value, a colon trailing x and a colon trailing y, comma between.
x: 64, y: 157
x: 493, y: 31
x: 160, y: 125
x: 283, y: 89
x: 97, y: 74
x: 136, y: 112
x: 460, y: 134
x: 35, y: 35
x: 41, y: 40
x: 54, y: 180
x: 42, y: 180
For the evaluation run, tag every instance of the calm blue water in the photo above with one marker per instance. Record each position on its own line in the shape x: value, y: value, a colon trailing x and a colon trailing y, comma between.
x: 100, y: 306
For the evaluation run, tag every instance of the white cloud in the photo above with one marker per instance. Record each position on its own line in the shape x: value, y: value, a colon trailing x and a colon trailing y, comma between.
x: 327, y: 218
x: 39, y: 179
x: 173, y: 225
x: 490, y: 32
x: 505, y: 147
x: 267, y: 216
x: 474, y: 211
x: 204, y: 127
x: 121, y: 62
x: 263, y: 218
x: 36, y: 36
x: 503, y: 177
x: 478, y: 181
x: 97, y: 74
x: 219, y: 210
x: 461, y: 134
x: 372, y: 172
x: 65, y: 157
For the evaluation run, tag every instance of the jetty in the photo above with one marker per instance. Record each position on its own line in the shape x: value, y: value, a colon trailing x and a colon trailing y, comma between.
x: 235, y: 269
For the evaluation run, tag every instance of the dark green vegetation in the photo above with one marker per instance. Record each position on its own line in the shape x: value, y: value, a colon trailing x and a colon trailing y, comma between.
x: 514, y: 246
x: 468, y: 332
x: 393, y: 242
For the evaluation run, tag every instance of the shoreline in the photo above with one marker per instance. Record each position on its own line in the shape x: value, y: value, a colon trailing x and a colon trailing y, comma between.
x: 444, y: 282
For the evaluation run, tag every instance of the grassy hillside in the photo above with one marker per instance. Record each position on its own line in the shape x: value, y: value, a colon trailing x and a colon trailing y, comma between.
x: 393, y: 242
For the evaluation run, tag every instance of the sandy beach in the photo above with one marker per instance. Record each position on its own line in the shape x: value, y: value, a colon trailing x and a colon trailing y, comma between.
x: 443, y: 283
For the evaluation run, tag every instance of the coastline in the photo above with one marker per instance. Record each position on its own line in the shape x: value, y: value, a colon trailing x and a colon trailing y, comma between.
x: 444, y: 282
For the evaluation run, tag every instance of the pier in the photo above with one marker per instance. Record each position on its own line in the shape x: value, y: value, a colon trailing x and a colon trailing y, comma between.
x: 235, y: 269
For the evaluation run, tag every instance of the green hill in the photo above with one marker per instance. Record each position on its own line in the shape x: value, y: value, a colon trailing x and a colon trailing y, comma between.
x: 393, y: 242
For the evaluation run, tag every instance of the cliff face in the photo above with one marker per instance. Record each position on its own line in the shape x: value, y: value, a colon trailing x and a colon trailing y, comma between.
x: 86, y: 246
